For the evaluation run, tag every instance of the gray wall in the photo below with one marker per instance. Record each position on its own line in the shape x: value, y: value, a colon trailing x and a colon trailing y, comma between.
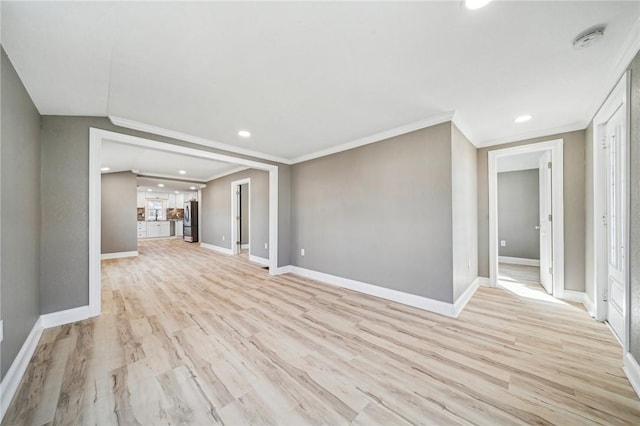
x: 574, y: 206
x: 464, y: 212
x: 380, y: 213
x: 244, y: 213
x: 216, y: 211
x: 634, y: 247
x: 119, y: 212
x: 20, y: 189
x: 519, y: 213
x: 65, y: 188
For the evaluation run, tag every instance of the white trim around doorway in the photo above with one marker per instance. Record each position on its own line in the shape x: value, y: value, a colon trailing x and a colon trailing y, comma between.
x: 557, y: 184
x: 96, y: 136
x: 618, y: 98
x: 235, y: 185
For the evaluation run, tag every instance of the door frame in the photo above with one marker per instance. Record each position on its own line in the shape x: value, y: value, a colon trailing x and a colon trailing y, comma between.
x: 557, y: 187
x: 96, y: 136
x: 235, y: 201
x: 617, y: 99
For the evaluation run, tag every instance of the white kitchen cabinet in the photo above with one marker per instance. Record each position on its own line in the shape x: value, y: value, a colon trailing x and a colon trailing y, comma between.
x: 179, y: 228
x: 161, y: 195
x: 172, y: 201
x: 180, y: 200
x: 156, y: 229
x: 141, y: 199
x: 153, y: 229
x: 142, y: 229
x: 190, y: 196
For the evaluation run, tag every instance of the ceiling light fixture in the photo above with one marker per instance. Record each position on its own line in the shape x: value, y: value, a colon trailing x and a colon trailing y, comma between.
x: 104, y: 169
x: 177, y: 192
x: 192, y: 187
x: 522, y: 118
x: 475, y: 4
x: 182, y: 172
x: 149, y: 190
x: 244, y: 133
x: 588, y: 37
x: 161, y: 185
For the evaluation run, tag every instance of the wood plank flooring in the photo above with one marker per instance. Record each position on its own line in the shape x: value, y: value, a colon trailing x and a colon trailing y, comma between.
x: 190, y: 336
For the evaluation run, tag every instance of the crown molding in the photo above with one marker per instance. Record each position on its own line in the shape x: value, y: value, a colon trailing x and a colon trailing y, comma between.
x: 148, y: 128
x: 628, y: 51
x: 531, y: 135
x: 377, y: 137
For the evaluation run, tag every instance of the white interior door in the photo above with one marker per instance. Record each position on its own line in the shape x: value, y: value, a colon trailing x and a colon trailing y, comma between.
x: 546, y: 230
x: 616, y: 221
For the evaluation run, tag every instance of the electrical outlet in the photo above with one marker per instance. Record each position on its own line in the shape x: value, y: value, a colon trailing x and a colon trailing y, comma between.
x: 469, y: 264
x: 223, y: 238
x: 266, y: 245
x: 301, y: 252
x: 503, y: 243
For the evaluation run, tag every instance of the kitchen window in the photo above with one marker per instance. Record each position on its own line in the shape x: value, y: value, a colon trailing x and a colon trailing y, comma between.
x: 155, y: 210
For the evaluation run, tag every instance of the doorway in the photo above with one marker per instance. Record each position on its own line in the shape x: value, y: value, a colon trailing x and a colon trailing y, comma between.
x: 241, y: 215
x: 527, y: 237
x: 611, y: 212
x: 96, y: 137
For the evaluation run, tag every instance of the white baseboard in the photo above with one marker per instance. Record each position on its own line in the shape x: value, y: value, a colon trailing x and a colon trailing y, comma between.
x: 258, y: 259
x: 55, y: 319
x: 632, y: 370
x: 519, y: 261
x: 588, y: 305
x: 484, y: 281
x: 572, y: 296
x: 119, y: 255
x: 244, y: 246
x: 11, y: 381
x: 420, y: 302
x: 216, y: 248
x: 464, y: 298
x: 282, y: 270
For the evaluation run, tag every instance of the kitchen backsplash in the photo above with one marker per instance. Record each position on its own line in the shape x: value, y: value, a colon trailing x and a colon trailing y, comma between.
x: 172, y: 214
x: 175, y: 214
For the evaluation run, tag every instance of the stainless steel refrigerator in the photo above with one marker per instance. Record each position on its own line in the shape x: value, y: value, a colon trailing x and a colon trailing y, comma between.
x: 190, y: 222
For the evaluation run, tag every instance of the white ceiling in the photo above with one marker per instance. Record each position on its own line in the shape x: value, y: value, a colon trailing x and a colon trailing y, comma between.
x: 119, y: 157
x: 305, y: 77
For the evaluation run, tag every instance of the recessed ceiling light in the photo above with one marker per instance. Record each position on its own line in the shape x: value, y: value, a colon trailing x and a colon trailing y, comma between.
x: 192, y: 187
x: 522, y: 118
x: 182, y: 172
x: 476, y: 4
x: 177, y: 192
x: 104, y: 169
x: 149, y: 189
x: 244, y: 133
x: 161, y: 185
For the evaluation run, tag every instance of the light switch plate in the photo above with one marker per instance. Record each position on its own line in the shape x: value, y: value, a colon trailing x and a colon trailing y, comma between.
x: 1, y: 330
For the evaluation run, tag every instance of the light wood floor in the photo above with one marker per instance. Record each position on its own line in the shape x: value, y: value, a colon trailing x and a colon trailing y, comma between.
x: 189, y: 336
